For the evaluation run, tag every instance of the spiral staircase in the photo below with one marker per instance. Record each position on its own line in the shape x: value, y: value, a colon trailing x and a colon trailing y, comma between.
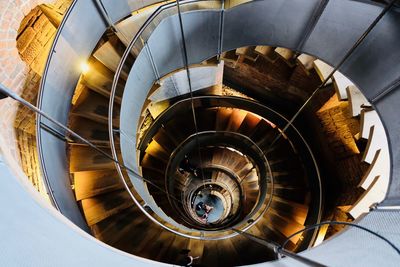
x: 230, y: 168
x: 166, y: 81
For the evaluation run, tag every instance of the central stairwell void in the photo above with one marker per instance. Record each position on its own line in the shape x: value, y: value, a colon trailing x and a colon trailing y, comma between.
x: 228, y: 90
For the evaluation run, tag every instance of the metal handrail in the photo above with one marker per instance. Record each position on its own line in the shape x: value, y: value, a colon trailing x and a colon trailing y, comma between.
x: 278, y: 249
x: 119, y: 69
x: 110, y: 121
x: 187, y: 193
x: 219, y: 184
x: 264, y: 159
x: 111, y: 99
x: 205, y: 166
x: 232, y: 101
x: 39, y: 105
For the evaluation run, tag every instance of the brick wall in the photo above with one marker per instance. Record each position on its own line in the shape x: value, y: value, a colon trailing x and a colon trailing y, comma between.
x: 266, y: 80
x: 26, y: 35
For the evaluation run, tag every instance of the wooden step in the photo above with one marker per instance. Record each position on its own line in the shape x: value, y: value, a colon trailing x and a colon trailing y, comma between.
x: 306, y: 62
x: 236, y: 120
x: 227, y: 253
x: 170, y: 136
x: 177, y: 132
x: 290, y: 162
x: 164, y: 141
x: 289, y: 177
x: 115, y: 227
x: 163, y: 244
x: 296, y: 195
x: 93, y: 183
x: 98, y: 208
x: 217, y: 157
x: 210, y: 254
x: 152, y: 163
x: 323, y: 70
x: 175, y: 250
x: 84, y: 158
x: 286, y: 54
x: 222, y: 120
x: 138, y: 235
x: 245, y: 170
x: 99, y: 78
x: 95, y: 132
x: 285, y: 226
x: 157, y: 151
x: 261, y: 130
x: 246, y: 52
x: 249, y: 251
x: 156, y: 178
x: 109, y: 54
x: 95, y: 107
x: 239, y: 164
x: 229, y: 56
x: 248, y: 124
x: 291, y: 210
x: 267, y: 52
x: 145, y: 250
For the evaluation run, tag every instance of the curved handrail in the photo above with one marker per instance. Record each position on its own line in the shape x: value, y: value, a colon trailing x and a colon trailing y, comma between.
x: 39, y: 105
x: 225, y: 170
x: 256, y: 107
x: 111, y: 130
x: 202, y: 133
x: 39, y: 137
x: 268, y: 173
x: 199, y: 187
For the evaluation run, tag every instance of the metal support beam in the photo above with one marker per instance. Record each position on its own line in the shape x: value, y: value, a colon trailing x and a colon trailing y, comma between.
x: 186, y: 63
x: 5, y: 91
x: 108, y: 19
x: 279, y: 250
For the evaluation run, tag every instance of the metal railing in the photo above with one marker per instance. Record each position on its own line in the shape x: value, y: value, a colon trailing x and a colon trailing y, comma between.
x: 137, y: 43
x: 114, y: 156
x: 265, y: 177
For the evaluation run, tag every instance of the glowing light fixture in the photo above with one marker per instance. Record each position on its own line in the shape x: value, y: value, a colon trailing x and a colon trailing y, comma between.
x: 84, y: 68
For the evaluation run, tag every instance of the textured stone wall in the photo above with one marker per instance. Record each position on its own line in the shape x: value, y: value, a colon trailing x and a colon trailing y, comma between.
x: 338, y: 128
x: 26, y: 36
x: 265, y: 80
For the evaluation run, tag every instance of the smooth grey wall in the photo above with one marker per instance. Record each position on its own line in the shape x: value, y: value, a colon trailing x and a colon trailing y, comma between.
x: 76, y: 38
x: 35, y: 235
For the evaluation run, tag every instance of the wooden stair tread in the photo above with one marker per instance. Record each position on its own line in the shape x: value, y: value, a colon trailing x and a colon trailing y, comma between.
x: 93, y: 131
x: 99, y: 208
x: 84, y: 158
x: 93, y: 183
x: 152, y: 163
x: 222, y: 119
x: 108, y: 229
x: 95, y: 107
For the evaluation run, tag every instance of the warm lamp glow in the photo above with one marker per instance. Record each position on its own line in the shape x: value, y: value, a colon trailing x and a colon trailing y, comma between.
x: 84, y: 67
